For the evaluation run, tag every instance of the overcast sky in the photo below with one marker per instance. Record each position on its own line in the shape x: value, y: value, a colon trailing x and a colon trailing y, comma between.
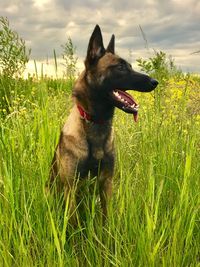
x: 172, y: 26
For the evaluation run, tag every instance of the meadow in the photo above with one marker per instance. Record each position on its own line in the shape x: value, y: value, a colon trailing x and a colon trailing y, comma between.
x: 154, y: 215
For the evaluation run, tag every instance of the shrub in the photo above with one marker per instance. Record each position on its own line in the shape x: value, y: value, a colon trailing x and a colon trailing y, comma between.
x: 13, y: 58
x: 160, y: 66
x: 70, y: 59
x: 13, y: 52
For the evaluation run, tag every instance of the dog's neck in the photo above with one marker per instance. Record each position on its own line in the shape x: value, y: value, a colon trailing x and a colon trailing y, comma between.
x: 92, y: 102
x: 100, y: 119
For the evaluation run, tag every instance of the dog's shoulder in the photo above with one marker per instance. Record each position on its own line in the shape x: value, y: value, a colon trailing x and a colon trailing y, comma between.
x: 73, y: 128
x: 72, y: 125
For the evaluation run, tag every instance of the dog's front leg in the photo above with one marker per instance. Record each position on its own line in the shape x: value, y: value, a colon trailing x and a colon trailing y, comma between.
x: 70, y: 199
x: 105, y: 183
x: 105, y: 191
x: 70, y: 181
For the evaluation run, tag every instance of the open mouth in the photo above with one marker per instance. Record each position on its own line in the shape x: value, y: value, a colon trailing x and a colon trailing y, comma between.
x: 125, y: 102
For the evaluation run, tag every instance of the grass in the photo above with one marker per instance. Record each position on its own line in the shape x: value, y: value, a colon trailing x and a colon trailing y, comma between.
x: 155, y: 211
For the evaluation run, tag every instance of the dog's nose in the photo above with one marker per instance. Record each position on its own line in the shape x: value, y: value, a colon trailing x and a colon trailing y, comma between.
x: 154, y: 82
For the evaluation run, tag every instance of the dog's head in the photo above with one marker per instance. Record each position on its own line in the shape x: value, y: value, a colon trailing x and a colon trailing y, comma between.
x: 110, y: 76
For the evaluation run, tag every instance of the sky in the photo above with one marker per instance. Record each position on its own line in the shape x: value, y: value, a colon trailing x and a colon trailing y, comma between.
x: 172, y: 26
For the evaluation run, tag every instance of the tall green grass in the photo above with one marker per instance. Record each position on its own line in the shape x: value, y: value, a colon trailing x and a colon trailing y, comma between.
x: 154, y: 213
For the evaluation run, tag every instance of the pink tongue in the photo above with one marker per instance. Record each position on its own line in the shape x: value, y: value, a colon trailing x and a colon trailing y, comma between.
x: 135, y: 117
x: 130, y: 100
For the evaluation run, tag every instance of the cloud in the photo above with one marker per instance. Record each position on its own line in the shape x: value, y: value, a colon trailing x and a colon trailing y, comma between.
x: 172, y: 26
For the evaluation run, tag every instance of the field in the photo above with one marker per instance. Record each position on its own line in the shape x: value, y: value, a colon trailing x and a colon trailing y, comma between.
x: 154, y: 216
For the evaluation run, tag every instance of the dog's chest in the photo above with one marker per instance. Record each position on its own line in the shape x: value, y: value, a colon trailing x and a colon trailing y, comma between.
x: 99, y: 141
x: 96, y: 146
x: 100, y: 146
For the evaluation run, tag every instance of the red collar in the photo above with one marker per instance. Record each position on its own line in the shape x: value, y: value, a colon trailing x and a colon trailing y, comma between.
x: 87, y: 117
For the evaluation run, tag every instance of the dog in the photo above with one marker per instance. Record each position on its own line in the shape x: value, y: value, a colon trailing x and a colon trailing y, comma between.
x: 86, y: 144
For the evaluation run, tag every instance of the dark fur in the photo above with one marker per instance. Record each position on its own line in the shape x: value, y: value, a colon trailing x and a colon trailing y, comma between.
x: 88, y: 147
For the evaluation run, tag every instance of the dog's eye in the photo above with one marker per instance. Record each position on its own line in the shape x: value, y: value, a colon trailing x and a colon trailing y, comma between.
x: 121, y: 67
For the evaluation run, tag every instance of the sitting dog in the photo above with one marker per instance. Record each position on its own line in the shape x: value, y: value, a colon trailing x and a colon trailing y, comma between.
x: 86, y: 142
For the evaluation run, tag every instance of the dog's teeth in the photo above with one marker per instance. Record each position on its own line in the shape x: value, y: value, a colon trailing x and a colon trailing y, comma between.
x: 116, y: 93
x: 133, y: 106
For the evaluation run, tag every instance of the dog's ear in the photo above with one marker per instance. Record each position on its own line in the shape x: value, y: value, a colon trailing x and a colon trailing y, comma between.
x: 95, y: 48
x: 111, y: 45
